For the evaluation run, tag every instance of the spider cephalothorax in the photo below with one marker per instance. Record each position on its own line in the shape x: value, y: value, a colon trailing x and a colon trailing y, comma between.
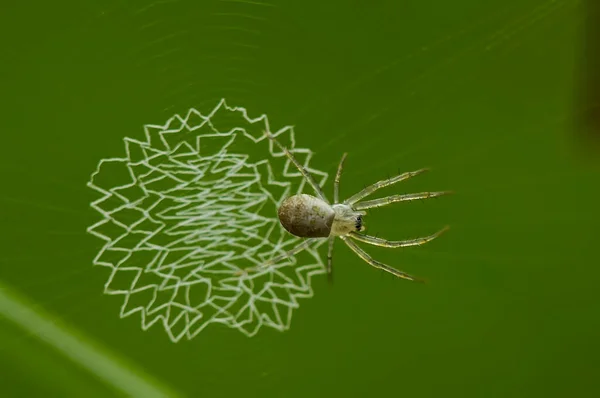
x: 313, y: 217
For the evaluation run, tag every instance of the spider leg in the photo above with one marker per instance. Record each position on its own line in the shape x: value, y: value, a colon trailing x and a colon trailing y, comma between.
x: 336, y: 184
x: 330, y: 259
x: 394, y: 244
x: 305, y: 173
x: 374, y: 263
x: 295, y: 250
x: 380, y: 184
x: 369, y: 204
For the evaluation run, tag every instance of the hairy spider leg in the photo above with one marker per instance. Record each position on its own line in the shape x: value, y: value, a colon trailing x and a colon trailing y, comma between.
x: 305, y: 173
x: 330, y: 259
x: 395, y: 244
x: 369, y: 204
x: 295, y: 250
x: 336, y: 183
x: 381, y: 184
x: 369, y: 260
x: 336, y: 199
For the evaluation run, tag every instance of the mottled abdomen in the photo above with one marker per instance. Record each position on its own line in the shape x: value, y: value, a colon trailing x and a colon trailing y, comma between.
x: 306, y: 216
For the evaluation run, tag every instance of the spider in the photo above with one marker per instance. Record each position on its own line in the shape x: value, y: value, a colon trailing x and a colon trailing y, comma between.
x: 313, y: 218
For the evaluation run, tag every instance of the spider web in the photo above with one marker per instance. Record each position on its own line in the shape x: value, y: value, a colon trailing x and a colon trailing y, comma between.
x: 192, y: 206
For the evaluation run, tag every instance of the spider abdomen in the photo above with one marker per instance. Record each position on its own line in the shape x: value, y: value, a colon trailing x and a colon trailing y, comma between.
x: 306, y: 216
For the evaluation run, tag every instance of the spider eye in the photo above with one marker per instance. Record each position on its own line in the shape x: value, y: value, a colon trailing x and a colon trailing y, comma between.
x: 358, y: 223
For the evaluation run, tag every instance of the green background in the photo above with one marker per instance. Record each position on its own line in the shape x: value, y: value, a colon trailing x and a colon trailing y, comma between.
x: 484, y: 92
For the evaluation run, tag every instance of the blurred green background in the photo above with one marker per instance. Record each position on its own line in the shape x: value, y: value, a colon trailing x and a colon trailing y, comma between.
x: 481, y: 91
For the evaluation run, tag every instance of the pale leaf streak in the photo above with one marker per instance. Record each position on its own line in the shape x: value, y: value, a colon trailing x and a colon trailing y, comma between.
x: 48, y: 232
x: 536, y: 15
x: 255, y: 3
x: 160, y: 40
x: 243, y: 81
x: 378, y: 70
x: 98, y: 361
x: 431, y: 71
x: 149, y: 25
x: 245, y: 45
x: 41, y: 257
x: 238, y: 58
x: 39, y: 205
x: 233, y: 29
x: 239, y: 15
x: 158, y: 56
x: 153, y: 4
